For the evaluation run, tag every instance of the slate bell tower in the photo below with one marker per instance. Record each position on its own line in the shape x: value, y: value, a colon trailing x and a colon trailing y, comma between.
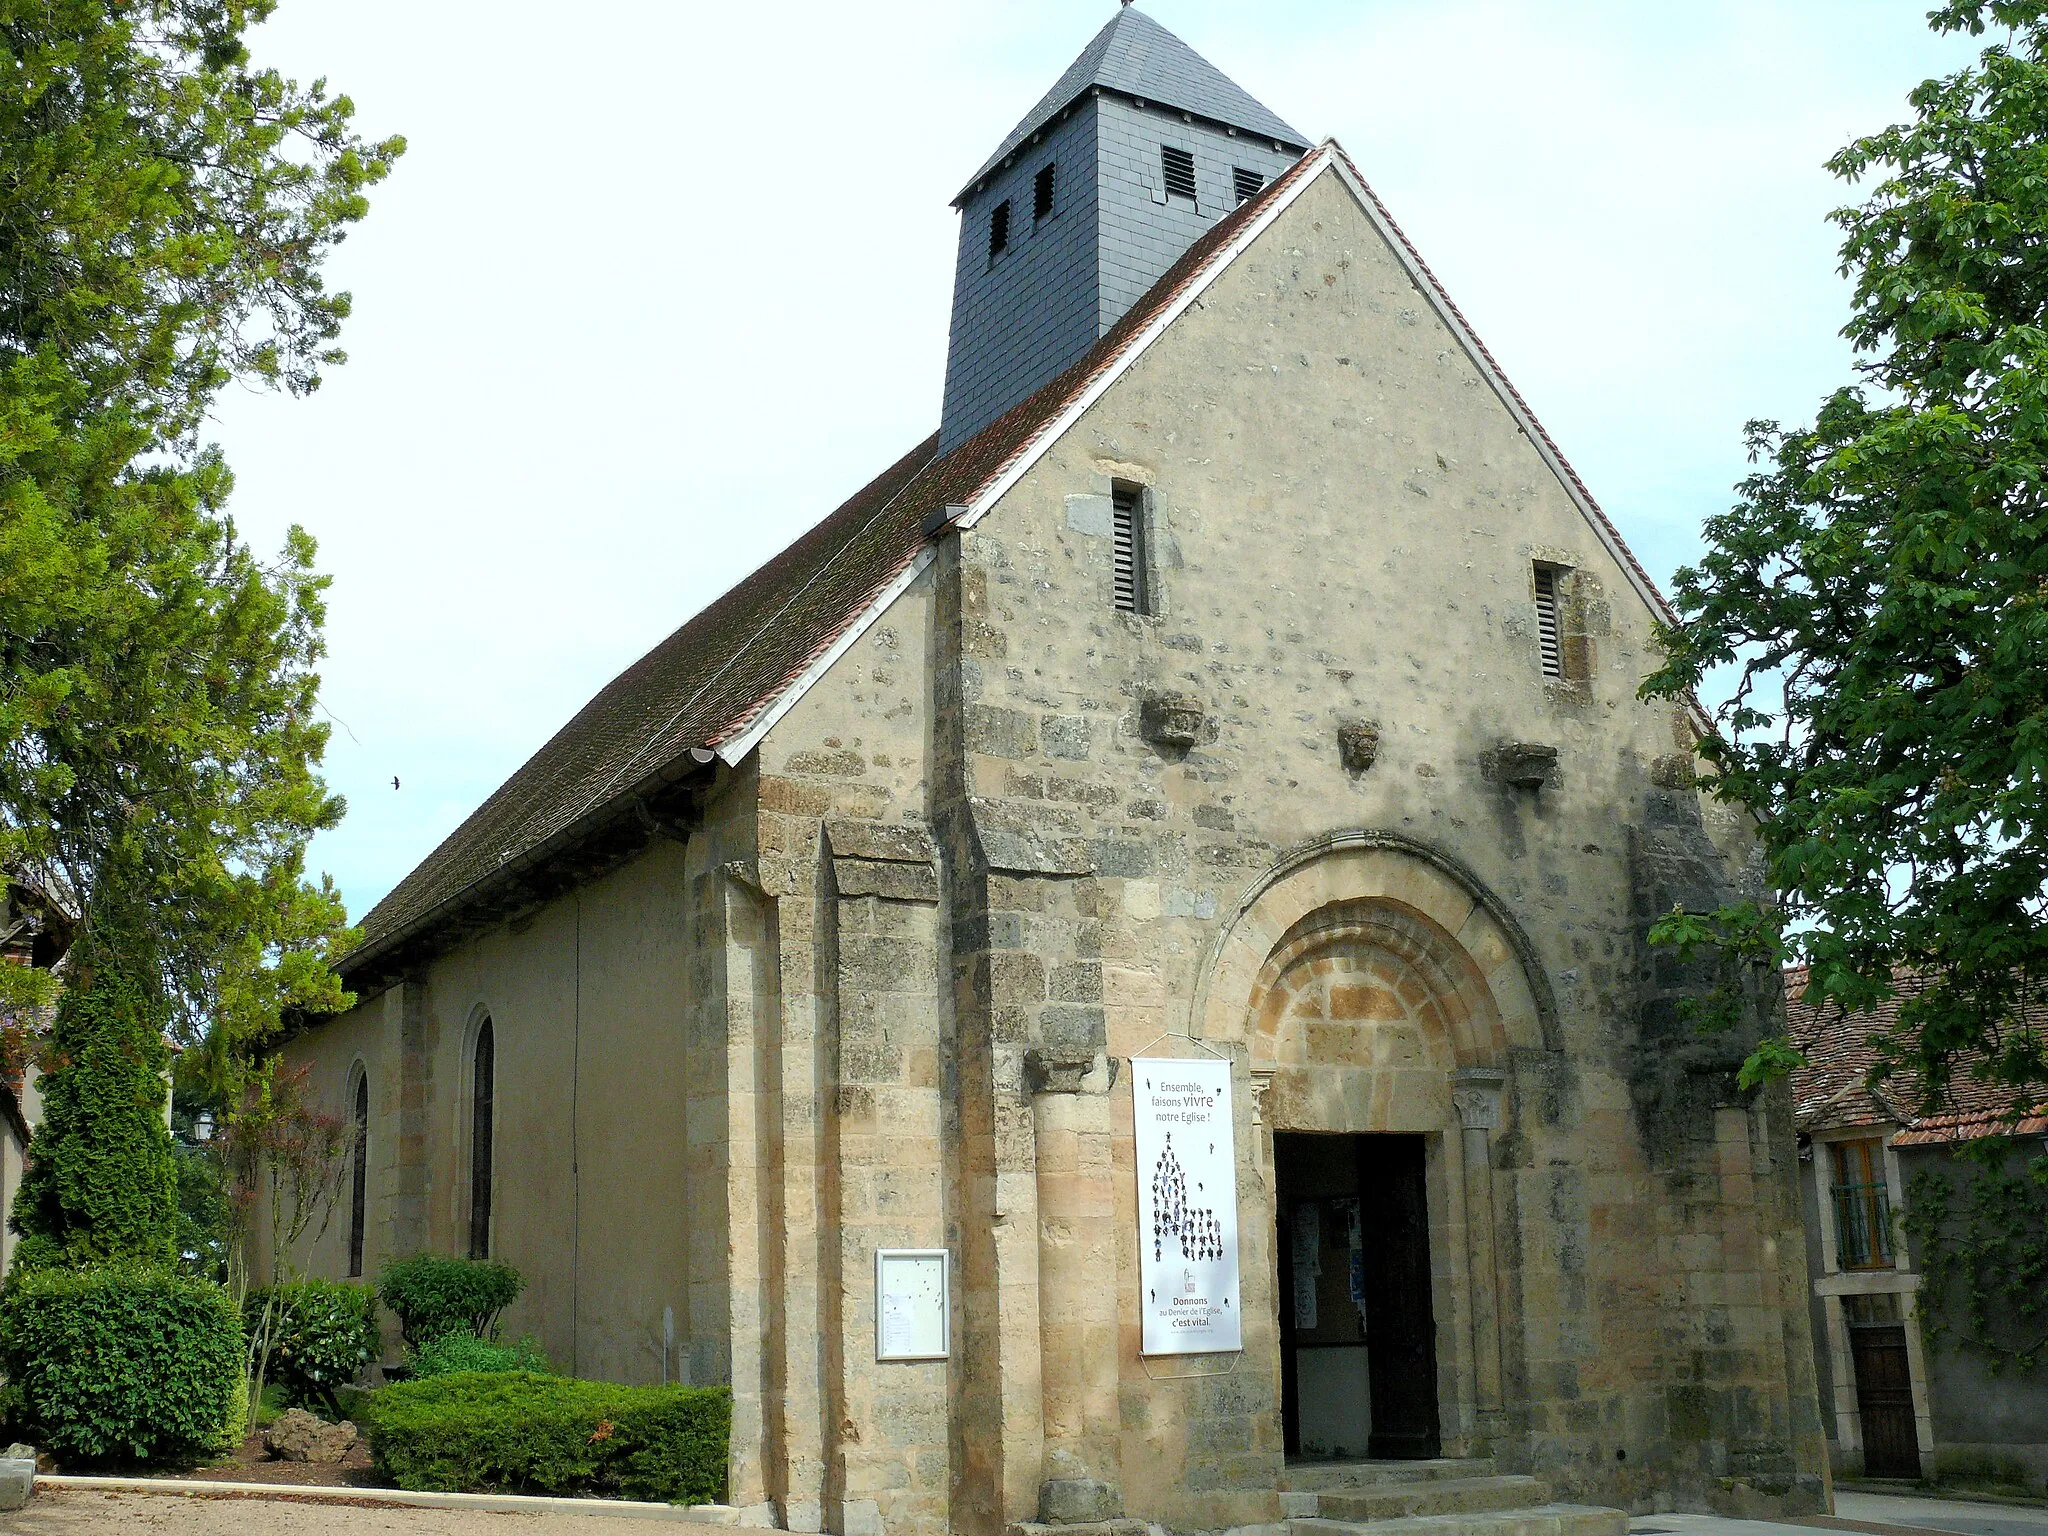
x: 1126, y: 162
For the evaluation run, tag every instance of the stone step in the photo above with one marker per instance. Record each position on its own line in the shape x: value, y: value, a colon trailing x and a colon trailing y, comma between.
x: 1318, y: 1476
x: 1432, y: 1496
x: 1542, y: 1520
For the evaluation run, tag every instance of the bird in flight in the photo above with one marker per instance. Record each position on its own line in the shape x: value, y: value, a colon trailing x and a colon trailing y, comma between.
x: 394, y: 781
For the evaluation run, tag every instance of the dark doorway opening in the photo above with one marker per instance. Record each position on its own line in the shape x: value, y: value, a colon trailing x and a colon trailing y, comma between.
x: 1357, y: 1323
x: 1884, y: 1389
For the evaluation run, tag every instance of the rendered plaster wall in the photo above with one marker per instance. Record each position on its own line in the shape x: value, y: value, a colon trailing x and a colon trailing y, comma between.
x: 592, y: 1193
x: 1344, y: 519
x: 331, y: 1054
x: 1986, y: 1428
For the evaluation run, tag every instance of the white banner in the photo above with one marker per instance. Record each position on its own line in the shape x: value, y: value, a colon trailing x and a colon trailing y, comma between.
x: 1187, y: 1207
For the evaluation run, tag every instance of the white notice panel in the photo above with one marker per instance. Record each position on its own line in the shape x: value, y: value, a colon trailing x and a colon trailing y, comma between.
x: 912, y: 1318
x: 1187, y: 1207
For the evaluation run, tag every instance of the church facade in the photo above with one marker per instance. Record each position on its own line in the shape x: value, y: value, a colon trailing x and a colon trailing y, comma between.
x: 1226, y: 723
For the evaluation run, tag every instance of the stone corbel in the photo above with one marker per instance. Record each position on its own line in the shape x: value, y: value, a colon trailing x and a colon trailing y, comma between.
x: 1072, y: 1040
x: 1172, y: 720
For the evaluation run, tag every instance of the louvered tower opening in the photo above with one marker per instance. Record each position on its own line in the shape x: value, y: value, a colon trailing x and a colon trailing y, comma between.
x: 999, y: 230
x: 1248, y: 184
x: 1177, y: 166
x: 1041, y: 194
x: 1549, y: 634
x: 1129, y: 519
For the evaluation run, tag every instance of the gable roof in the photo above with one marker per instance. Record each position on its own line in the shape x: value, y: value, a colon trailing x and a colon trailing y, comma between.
x: 1135, y: 56
x: 1837, y: 1088
x: 719, y: 683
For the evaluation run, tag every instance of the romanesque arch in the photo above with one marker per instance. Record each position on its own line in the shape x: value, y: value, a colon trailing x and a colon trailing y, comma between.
x: 1372, y: 986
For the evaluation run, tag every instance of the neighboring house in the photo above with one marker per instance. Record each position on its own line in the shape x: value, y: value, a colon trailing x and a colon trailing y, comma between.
x: 1238, y: 692
x: 33, y: 931
x: 1896, y: 1407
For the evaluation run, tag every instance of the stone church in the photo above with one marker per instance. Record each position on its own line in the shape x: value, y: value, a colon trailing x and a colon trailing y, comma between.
x: 1230, y: 711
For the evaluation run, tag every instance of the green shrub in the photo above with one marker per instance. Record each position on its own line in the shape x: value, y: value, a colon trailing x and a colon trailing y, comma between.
x: 516, y: 1432
x: 236, y: 1429
x: 321, y: 1333
x: 453, y: 1352
x: 432, y: 1296
x: 120, y: 1365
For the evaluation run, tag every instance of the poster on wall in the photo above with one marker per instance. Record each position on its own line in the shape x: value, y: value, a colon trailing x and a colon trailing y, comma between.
x: 1187, y: 1207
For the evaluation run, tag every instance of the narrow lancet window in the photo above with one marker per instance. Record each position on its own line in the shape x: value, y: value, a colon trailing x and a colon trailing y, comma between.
x: 481, y: 1110
x: 359, y: 1178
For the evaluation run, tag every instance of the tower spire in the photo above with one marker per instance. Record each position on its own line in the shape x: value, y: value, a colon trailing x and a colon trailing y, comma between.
x: 1137, y: 149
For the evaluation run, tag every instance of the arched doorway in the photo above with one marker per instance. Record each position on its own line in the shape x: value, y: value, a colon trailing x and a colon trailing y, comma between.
x: 1380, y: 997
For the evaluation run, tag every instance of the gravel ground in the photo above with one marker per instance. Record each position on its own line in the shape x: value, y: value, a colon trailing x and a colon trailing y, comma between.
x: 133, y: 1514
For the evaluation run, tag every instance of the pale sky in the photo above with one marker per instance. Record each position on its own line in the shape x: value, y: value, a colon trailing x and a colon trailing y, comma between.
x: 659, y: 284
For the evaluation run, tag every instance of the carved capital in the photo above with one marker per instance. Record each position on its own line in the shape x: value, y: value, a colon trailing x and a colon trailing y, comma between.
x: 1262, y: 1084
x: 1476, y: 1095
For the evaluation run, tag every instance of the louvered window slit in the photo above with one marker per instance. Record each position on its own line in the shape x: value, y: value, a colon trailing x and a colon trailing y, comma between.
x: 1129, y: 529
x: 1549, y: 638
x: 1177, y: 166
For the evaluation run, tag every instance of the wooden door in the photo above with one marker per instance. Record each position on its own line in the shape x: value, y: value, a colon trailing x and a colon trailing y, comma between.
x: 1400, y: 1315
x: 1884, y: 1400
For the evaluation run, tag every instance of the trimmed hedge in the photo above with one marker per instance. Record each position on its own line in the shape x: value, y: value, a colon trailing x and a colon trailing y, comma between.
x: 454, y: 1352
x: 121, y: 1365
x: 322, y: 1334
x: 432, y: 1296
x: 516, y: 1432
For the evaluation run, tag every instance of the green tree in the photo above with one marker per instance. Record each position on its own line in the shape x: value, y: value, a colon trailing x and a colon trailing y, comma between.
x: 1879, y: 596
x: 165, y: 211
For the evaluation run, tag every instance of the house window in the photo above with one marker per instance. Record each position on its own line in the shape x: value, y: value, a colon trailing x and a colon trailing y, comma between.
x: 482, y: 1105
x: 1549, y: 633
x: 1177, y: 166
x: 1127, y: 504
x: 1863, y: 1213
x: 1247, y: 184
x: 359, y: 1176
x: 999, y: 230
x: 1041, y: 195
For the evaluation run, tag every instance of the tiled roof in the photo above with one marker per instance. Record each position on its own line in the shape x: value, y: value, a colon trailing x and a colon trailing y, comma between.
x: 1138, y: 57
x: 686, y: 692
x: 1837, y: 1088
x: 705, y: 686
x: 707, y: 682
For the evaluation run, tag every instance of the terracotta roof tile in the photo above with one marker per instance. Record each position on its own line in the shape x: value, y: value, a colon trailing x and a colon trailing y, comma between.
x: 1838, y: 1088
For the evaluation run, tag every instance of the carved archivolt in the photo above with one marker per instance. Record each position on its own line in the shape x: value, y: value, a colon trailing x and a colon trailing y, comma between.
x: 1361, y: 979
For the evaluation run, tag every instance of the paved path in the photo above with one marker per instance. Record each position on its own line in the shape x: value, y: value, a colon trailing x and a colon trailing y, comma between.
x: 1874, y: 1513
x: 131, y: 1514
x: 139, y: 1514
